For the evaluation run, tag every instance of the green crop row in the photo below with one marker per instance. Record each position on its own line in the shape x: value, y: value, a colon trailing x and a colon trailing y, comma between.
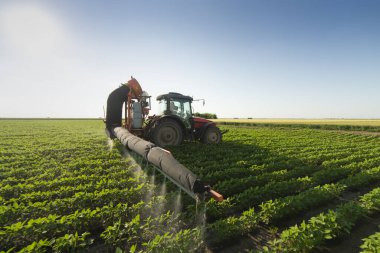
x: 270, y: 184
x: 371, y: 243
x: 96, y: 181
x: 234, y: 186
x: 325, y: 226
x: 63, y: 206
x: 20, y: 234
x: 67, y: 243
x: 273, y: 210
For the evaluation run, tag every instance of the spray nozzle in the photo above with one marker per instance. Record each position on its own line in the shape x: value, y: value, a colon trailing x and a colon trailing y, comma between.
x: 215, y: 195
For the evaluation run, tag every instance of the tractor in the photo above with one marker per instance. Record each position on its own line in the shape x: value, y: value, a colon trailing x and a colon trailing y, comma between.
x: 174, y: 123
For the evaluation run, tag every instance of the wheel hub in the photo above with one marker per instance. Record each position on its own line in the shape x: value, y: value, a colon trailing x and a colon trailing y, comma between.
x: 168, y: 136
x: 212, y: 137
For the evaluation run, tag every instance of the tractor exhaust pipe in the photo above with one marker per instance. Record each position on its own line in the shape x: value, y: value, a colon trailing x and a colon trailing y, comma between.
x: 165, y: 163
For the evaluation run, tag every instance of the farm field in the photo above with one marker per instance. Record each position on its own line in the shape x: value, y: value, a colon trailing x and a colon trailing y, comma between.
x: 64, y: 186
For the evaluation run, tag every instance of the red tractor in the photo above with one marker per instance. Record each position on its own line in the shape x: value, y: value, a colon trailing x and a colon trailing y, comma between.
x: 173, y: 124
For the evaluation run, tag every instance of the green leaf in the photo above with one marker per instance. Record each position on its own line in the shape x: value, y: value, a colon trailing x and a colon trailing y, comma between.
x: 133, y: 248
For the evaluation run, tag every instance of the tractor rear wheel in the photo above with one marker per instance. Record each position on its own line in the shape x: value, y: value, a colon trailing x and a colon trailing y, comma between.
x: 167, y: 132
x: 212, y: 135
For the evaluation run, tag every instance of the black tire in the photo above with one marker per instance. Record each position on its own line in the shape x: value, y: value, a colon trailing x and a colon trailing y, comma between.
x: 167, y: 132
x: 212, y: 135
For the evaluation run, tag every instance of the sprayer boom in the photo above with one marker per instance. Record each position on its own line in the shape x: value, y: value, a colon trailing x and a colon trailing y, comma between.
x: 164, y: 162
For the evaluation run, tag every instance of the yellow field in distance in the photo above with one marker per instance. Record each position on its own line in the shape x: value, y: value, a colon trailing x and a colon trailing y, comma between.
x: 351, y: 122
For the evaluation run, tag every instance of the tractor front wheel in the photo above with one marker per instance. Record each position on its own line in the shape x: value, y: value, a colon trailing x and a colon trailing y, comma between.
x: 167, y: 132
x: 212, y: 135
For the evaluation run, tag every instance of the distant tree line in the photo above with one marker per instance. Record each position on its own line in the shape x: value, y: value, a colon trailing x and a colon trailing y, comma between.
x: 206, y: 115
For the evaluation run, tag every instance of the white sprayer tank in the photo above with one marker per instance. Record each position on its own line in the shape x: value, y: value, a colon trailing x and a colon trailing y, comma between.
x: 137, y: 116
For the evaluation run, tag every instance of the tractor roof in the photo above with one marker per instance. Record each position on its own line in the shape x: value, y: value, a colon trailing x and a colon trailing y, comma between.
x: 174, y: 95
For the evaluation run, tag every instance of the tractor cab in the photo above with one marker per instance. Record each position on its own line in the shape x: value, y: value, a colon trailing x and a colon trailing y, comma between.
x: 176, y: 122
x: 178, y: 105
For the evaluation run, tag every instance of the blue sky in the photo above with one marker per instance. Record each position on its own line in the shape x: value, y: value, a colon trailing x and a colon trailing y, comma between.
x: 264, y: 59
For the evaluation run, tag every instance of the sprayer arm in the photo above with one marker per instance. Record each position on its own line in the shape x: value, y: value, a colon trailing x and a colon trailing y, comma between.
x: 199, y: 187
x: 215, y: 195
